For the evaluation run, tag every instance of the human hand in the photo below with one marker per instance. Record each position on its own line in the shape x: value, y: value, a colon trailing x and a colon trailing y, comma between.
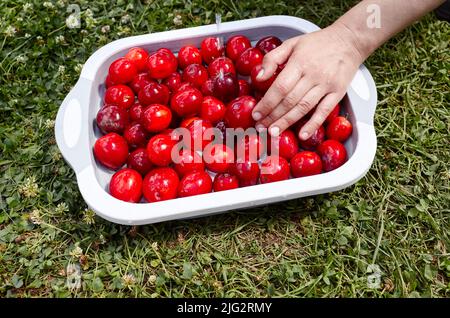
x: 319, y: 68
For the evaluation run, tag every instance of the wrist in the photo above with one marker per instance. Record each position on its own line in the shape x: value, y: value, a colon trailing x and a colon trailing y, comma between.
x: 357, y: 47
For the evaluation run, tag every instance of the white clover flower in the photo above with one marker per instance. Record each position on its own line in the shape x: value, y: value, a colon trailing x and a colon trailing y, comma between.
x: 129, y: 280
x: 152, y: 279
x: 48, y: 5
x: 10, y: 31
x: 21, y: 58
x: 29, y: 188
x: 49, y: 123
x: 102, y: 239
x: 27, y: 6
x: 27, y: 35
x: 35, y: 217
x: 177, y: 20
x: 60, y: 39
x: 125, y: 19
x: 89, y: 216
x: 78, y: 67
x: 61, y: 69
x: 106, y: 28
x: 73, y: 22
x: 39, y: 38
x: 88, y: 13
x: 77, y: 251
x: 61, y: 208
x: 61, y: 3
x: 56, y: 155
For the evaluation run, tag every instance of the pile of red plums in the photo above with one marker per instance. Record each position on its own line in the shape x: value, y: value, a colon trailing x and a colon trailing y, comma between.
x: 151, y: 95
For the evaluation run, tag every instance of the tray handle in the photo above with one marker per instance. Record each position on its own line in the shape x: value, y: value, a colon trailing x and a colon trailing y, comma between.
x: 71, y: 132
x: 363, y: 92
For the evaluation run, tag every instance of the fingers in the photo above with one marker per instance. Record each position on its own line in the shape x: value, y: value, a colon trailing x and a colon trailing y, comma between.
x: 290, y: 101
x: 284, y: 83
x: 323, y: 109
x: 301, y: 109
x: 274, y: 58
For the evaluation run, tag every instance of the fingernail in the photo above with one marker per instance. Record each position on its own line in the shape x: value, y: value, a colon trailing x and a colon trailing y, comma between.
x: 257, y: 115
x: 274, y: 131
x: 260, y: 74
x: 304, y: 135
x: 260, y: 127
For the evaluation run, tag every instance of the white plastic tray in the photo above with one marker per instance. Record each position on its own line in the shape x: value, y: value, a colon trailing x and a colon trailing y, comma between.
x: 76, y: 132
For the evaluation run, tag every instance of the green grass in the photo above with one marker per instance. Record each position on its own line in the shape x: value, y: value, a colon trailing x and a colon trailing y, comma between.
x: 397, y: 216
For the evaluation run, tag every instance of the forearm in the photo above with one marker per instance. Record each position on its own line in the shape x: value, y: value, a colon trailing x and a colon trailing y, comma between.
x: 372, y: 22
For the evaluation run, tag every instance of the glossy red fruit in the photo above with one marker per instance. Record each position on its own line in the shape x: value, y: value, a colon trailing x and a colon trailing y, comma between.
x: 244, y: 88
x: 211, y: 48
x: 111, y: 118
x: 315, y: 140
x: 222, y: 128
x: 126, y: 185
x: 173, y: 81
x: 226, y: 87
x: 239, y: 112
x: 250, y: 147
x: 218, y: 157
x: 119, y: 95
x: 212, y: 109
x: 188, y: 161
x: 248, y: 60
x: 156, y: 118
x: 160, y: 184
x: 236, y: 45
x: 138, y: 56
x: 274, y: 169
x: 135, y: 135
x: 122, y: 71
x: 305, y: 163
x: 184, y: 86
x: 334, y: 113
x: 161, y: 64
x: 340, y: 128
x: 139, y: 161
x: 221, y: 65
x: 268, y: 43
x: 186, y: 102
x: 188, y: 55
x: 111, y: 150
x: 247, y: 172
x: 140, y: 81
x: 154, y: 93
x: 159, y: 149
x: 225, y: 181
x: 197, y: 128
x: 109, y: 82
x: 332, y: 153
x: 186, y: 123
x: 208, y: 87
x: 261, y: 86
x: 135, y: 112
x: 285, y: 145
x: 196, y: 74
x: 194, y: 183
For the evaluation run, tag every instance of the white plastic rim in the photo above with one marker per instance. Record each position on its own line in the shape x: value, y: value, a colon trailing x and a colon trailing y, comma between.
x: 77, y: 150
